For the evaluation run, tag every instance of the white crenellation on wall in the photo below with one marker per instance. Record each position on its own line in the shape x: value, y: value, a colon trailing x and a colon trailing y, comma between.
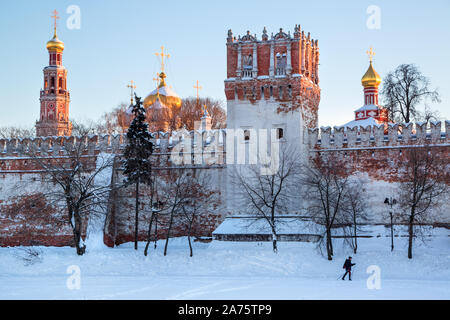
x: 211, y: 141
x: 402, y: 134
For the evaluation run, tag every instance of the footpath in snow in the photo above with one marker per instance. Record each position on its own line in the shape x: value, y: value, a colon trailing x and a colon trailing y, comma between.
x: 232, y: 270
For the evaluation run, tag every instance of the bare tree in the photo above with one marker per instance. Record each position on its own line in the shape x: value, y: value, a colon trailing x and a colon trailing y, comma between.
x: 12, y: 132
x: 116, y: 121
x: 404, y: 90
x: 428, y: 115
x: 326, y: 185
x: 425, y: 182
x: 268, y: 195
x: 183, y: 196
x: 156, y: 207
x: 77, y: 189
x: 173, y: 195
x: 355, y: 210
x: 30, y: 255
x: 192, y: 110
x: 199, y: 197
x: 84, y: 128
x: 113, y: 122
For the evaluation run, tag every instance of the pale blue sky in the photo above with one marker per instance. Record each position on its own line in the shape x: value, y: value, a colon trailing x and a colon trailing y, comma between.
x: 118, y: 39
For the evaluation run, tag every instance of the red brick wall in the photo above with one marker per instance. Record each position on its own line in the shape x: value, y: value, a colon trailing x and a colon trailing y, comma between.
x: 381, y: 164
x: 27, y: 215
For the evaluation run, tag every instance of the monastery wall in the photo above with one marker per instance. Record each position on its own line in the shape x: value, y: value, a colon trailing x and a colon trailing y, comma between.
x: 28, y: 215
x: 25, y: 186
x: 376, y: 155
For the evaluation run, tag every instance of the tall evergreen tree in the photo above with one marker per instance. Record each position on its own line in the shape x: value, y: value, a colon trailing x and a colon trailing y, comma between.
x: 137, y: 154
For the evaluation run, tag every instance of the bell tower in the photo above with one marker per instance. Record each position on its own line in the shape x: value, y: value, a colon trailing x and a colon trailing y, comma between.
x: 54, y: 97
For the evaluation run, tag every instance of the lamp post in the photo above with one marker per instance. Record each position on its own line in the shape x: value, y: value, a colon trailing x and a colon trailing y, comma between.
x: 391, y: 202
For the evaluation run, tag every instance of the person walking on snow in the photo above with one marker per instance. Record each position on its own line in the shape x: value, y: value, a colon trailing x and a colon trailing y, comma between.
x: 348, y: 268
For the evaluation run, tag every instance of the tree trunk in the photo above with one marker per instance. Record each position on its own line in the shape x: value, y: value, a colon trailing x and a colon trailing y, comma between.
x: 149, y: 234
x: 274, y: 242
x: 189, y: 240
x: 156, y: 231
x: 168, y: 233
x: 77, y: 235
x: 410, y: 235
x: 392, y: 232
x: 329, y: 245
x: 356, y: 238
x: 407, y: 107
x: 274, y: 233
x: 189, y: 234
x: 136, y: 224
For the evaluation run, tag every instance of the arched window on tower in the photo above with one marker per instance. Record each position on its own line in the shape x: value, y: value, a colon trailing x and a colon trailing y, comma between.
x: 52, y: 85
x: 60, y: 85
x: 281, y: 63
x: 280, y: 133
x: 247, y: 66
x: 246, y: 135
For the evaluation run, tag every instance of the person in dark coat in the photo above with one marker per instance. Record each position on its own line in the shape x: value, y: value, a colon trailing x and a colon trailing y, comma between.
x: 348, y: 268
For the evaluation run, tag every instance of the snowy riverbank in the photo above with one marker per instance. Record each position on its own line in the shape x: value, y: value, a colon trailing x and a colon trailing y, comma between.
x: 230, y: 270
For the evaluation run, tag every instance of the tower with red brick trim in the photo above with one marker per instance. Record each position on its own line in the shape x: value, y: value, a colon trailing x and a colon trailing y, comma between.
x: 54, y: 97
x: 273, y: 82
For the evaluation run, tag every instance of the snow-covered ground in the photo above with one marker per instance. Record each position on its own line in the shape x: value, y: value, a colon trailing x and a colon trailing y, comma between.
x: 231, y: 270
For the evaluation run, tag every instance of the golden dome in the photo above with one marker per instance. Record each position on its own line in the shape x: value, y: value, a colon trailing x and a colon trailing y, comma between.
x: 55, y: 44
x: 371, y: 78
x: 164, y: 94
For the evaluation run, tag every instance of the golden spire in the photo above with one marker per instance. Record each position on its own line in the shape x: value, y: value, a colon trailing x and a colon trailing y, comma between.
x: 371, y: 78
x: 55, y: 44
x: 162, y: 55
x: 132, y: 86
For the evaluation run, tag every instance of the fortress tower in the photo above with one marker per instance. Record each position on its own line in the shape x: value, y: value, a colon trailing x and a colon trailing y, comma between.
x: 273, y: 83
x: 54, y: 98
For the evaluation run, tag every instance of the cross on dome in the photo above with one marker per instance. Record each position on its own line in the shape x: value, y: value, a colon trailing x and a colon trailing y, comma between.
x: 162, y: 55
x: 371, y: 54
x: 55, y: 17
x: 132, y: 86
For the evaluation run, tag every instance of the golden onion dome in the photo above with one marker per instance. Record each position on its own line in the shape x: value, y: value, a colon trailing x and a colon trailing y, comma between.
x: 371, y: 78
x: 166, y: 95
x: 55, y: 44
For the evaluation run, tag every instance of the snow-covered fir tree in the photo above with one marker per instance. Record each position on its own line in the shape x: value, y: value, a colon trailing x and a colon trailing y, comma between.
x: 137, y: 154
